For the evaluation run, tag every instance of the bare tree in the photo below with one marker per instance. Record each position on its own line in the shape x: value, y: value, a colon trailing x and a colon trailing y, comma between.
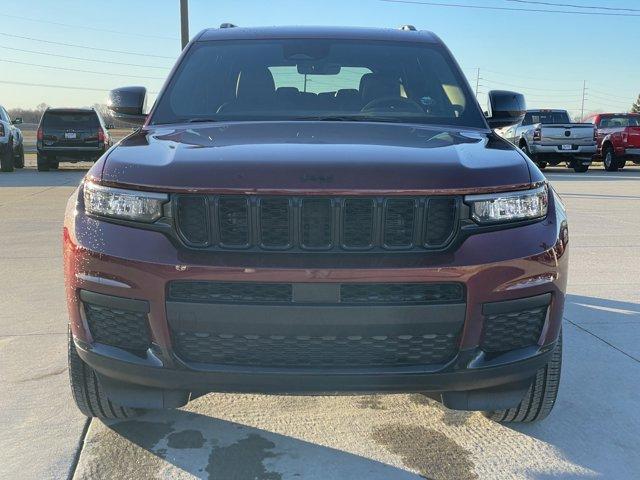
x: 636, y: 106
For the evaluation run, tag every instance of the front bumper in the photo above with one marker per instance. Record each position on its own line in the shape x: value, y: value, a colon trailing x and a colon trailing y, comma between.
x: 497, y: 266
x: 469, y: 370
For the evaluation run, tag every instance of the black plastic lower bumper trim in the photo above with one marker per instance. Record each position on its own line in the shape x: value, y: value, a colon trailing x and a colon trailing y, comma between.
x: 467, y: 372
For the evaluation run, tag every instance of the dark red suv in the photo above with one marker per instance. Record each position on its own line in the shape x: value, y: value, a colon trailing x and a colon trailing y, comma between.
x: 315, y: 210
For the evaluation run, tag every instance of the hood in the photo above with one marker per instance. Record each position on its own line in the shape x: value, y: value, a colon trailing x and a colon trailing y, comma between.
x: 314, y: 156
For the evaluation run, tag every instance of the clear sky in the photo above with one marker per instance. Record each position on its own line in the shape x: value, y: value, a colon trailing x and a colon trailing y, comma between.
x: 546, y: 56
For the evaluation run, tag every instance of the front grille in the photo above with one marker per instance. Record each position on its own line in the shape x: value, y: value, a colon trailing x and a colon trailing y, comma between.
x: 190, y: 211
x: 118, y: 327
x: 508, y: 331
x: 319, y: 351
x: 229, y: 292
x: 346, y: 293
x: 238, y: 222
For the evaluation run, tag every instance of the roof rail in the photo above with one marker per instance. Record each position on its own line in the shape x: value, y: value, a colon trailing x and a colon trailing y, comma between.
x: 408, y: 28
x: 227, y: 25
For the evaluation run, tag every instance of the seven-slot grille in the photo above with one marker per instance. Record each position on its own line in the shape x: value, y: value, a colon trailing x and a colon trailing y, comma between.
x: 235, y: 222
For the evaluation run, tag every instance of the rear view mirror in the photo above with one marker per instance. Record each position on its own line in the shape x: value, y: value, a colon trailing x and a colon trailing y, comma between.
x: 128, y: 104
x: 505, y: 108
x: 318, y: 68
x: 17, y: 121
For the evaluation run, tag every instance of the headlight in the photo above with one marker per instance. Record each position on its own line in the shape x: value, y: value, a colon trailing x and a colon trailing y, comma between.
x: 509, y: 206
x: 123, y: 204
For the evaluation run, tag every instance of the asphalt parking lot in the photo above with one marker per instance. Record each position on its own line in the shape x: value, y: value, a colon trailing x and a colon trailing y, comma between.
x: 592, y: 433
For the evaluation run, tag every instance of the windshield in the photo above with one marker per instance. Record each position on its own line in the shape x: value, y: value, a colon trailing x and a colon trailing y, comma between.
x: 298, y: 79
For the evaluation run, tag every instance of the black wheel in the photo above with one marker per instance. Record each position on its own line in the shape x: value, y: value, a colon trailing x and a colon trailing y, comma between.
x: 541, y: 396
x: 53, y: 164
x: 621, y: 163
x: 87, y: 391
x: 609, y: 159
x: 579, y: 167
x: 43, y: 163
x: 542, y: 165
x: 19, y: 161
x: 6, y: 160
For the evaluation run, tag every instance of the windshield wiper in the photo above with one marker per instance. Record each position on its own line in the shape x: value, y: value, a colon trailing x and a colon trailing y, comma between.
x: 350, y: 118
x: 198, y: 120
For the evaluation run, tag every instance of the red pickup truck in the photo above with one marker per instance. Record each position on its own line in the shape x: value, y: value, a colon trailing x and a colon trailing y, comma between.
x: 618, y: 137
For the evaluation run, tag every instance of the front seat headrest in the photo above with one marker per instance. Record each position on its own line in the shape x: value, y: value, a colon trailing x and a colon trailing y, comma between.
x: 374, y: 85
x: 255, y: 83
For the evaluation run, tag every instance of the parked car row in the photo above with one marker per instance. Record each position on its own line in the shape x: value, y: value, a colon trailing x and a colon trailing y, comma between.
x: 549, y: 137
x: 11, y: 142
x: 64, y: 135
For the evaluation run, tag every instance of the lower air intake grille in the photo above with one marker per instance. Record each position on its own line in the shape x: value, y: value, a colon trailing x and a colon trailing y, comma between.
x: 389, y: 293
x: 118, y: 327
x: 508, y: 331
x: 229, y: 292
x: 306, y: 351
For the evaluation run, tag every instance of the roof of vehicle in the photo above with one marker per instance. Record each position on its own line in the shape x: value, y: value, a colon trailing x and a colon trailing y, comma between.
x: 630, y: 114
x: 352, y: 33
x: 70, y: 110
x: 545, y: 110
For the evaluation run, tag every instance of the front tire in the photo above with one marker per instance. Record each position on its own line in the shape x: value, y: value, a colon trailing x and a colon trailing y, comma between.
x: 19, y: 162
x: 579, y: 167
x: 541, y: 396
x: 87, y: 392
x: 542, y: 165
x: 609, y: 159
x: 6, y: 160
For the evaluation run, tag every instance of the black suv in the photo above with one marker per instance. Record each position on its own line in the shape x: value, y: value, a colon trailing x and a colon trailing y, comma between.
x: 70, y: 135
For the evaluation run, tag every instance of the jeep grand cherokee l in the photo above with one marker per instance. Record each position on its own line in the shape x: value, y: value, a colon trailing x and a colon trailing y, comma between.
x: 311, y: 211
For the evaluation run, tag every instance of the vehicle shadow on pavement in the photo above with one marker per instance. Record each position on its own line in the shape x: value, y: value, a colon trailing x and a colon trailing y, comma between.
x: 597, y: 397
x: 179, y: 442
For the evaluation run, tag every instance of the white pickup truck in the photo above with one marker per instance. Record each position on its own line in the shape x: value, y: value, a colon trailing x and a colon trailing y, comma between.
x: 549, y: 138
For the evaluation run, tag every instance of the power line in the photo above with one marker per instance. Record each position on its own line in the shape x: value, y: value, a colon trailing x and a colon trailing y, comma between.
x: 95, y: 29
x: 67, y: 87
x: 527, y: 88
x: 509, y: 9
x: 85, y: 47
x: 79, y: 70
x: 84, y: 59
x: 590, y: 7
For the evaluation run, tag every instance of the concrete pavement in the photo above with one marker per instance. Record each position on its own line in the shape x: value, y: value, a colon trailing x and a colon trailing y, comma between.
x: 592, y: 432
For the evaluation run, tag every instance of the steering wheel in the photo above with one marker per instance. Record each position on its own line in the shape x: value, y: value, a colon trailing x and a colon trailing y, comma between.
x: 392, y: 104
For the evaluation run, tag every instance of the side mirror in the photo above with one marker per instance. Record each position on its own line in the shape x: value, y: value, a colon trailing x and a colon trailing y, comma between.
x: 505, y: 108
x: 110, y: 126
x: 129, y: 104
x: 17, y: 121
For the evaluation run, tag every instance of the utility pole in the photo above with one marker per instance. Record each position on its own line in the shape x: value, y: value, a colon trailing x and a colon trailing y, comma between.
x: 584, y: 92
x: 184, y: 22
x: 477, y: 81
